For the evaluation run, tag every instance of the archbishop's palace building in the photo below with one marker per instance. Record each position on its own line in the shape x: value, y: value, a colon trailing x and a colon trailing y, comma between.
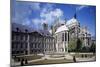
x: 29, y: 41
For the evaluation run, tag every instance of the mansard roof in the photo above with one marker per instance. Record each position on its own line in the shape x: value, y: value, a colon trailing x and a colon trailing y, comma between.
x: 22, y: 28
x: 44, y: 32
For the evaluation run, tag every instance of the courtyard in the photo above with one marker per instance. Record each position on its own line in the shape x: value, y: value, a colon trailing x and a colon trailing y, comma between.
x: 41, y: 59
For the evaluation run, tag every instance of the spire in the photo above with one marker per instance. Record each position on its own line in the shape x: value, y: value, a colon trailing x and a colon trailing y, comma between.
x: 75, y: 16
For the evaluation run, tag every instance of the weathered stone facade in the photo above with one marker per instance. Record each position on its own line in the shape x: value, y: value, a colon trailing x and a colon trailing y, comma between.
x: 57, y: 39
x: 25, y: 42
x: 74, y: 31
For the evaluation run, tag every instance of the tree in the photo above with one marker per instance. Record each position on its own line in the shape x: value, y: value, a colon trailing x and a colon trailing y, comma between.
x: 85, y: 49
x: 93, y: 47
x: 72, y: 44
x: 79, y: 45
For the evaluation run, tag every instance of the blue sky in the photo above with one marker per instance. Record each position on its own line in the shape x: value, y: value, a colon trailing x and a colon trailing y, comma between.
x: 34, y: 14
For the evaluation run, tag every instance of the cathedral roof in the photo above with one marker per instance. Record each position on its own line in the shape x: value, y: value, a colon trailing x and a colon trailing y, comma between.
x: 84, y: 31
x: 50, y: 31
x: 62, y: 28
x: 72, y: 21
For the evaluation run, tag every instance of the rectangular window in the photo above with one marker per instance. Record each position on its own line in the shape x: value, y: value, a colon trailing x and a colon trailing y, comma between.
x: 38, y: 45
x: 16, y: 45
x: 33, y: 39
x: 26, y: 36
x: 21, y: 45
x: 56, y: 39
x: 65, y: 36
x: 21, y: 37
x: 12, y: 37
x: 25, y: 45
x: 31, y: 45
x: 13, y: 45
x: 68, y: 37
x: 17, y: 37
x: 62, y: 36
x: 35, y: 45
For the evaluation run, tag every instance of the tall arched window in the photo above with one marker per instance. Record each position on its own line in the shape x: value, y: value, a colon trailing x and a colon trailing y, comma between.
x: 26, y: 36
x: 65, y: 36
x: 62, y: 36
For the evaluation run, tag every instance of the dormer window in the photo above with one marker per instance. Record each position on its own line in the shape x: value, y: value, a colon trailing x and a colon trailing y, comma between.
x: 17, y: 29
x: 26, y: 30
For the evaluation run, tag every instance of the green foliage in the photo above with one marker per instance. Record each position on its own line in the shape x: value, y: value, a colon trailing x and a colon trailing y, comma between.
x: 93, y: 47
x: 66, y: 49
x: 79, y: 45
x: 85, y: 49
x: 72, y: 45
x: 75, y: 45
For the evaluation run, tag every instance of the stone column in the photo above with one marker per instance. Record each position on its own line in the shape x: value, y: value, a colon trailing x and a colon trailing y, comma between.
x: 53, y: 45
x: 28, y: 47
x: 67, y: 42
x: 90, y: 41
x: 47, y: 45
x: 44, y: 46
x: 56, y: 43
x: 64, y: 41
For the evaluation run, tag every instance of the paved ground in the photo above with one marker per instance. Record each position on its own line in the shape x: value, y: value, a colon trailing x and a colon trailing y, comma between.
x: 49, y: 60
x: 86, y: 59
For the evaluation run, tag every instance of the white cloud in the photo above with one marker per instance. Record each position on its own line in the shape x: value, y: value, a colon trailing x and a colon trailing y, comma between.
x: 80, y: 7
x: 26, y: 21
x: 21, y: 12
x: 47, y: 14
x: 50, y: 15
x: 36, y: 20
x: 57, y: 12
x: 35, y: 6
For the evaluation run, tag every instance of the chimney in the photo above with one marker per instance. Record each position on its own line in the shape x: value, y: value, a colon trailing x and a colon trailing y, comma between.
x: 17, y: 29
x: 45, y: 26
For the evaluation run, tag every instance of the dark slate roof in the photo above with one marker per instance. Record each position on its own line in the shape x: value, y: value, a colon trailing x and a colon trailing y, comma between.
x: 22, y: 28
x: 44, y: 32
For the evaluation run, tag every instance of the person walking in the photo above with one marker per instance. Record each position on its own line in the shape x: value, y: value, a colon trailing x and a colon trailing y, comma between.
x: 74, y: 59
x: 26, y: 62
x: 22, y: 62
